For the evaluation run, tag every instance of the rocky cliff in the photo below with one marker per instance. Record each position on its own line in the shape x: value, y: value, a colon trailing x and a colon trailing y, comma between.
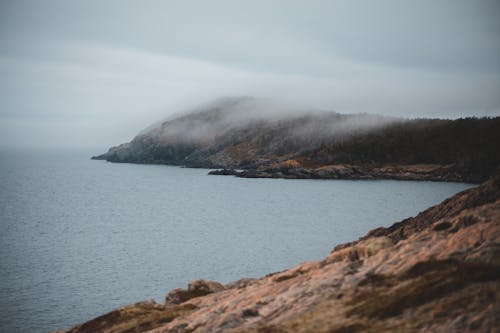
x: 436, y: 272
x: 271, y: 140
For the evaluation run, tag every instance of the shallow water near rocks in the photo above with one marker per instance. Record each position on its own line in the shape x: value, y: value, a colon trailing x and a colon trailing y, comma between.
x: 81, y: 237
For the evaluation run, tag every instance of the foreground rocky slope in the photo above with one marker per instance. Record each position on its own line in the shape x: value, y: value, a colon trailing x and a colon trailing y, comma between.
x: 436, y: 272
x: 270, y: 140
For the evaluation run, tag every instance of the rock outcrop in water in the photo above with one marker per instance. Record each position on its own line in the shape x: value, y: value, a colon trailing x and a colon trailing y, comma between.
x: 436, y: 272
x: 268, y: 140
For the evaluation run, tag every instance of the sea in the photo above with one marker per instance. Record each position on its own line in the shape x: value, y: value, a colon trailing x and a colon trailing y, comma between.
x: 80, y: 237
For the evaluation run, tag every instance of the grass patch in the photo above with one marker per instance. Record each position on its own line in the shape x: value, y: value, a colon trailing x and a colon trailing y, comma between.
x: 420, y: 284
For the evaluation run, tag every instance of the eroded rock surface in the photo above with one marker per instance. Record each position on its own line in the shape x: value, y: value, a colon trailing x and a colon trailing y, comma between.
x: 436, y: 272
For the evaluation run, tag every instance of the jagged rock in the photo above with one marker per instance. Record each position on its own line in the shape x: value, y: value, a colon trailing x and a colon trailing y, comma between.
x: 241, y: 283
x: 205, y: 286
x: 177, y: 296
x: 224, y: 172
x: 196, y: 288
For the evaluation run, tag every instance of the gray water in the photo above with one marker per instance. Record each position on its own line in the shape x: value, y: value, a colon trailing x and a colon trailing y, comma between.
x: 81, y: 237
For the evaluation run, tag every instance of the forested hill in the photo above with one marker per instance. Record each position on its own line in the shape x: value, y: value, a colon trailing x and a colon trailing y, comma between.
x: 274, y: 141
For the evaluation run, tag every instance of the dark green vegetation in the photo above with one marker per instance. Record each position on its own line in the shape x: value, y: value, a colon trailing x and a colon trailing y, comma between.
x: 471, y: 144
x: 236, y: 133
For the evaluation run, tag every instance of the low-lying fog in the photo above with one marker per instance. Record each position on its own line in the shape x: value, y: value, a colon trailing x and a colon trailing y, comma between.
x: 218, y: 117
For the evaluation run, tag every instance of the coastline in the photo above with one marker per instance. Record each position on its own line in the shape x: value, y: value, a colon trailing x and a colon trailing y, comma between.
x: 293, y: 169
x: 439, y: 268
x: 425, y: 172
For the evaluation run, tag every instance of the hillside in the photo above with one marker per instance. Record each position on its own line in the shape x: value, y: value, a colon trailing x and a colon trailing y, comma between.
x: 270, y: 140
x: 436, y: 272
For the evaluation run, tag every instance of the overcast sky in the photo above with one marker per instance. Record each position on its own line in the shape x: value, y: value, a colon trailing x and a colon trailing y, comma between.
x: 94, y: 73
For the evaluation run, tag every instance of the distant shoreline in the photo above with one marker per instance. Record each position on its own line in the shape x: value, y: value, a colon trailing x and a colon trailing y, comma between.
x: 284, y: 170
x: 418, y: 172
x: 311, y: 145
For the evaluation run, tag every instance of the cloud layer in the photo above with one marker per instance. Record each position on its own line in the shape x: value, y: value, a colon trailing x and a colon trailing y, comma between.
x: 94, y: 73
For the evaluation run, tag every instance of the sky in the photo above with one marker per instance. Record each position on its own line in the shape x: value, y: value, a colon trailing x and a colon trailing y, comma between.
x: 94, y: 73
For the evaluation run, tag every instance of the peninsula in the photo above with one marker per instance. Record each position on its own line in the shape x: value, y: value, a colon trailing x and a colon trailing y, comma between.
x: 267, y: 140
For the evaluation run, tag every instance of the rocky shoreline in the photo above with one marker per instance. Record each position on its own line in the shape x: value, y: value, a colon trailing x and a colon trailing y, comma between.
x: 294, y: 170
x: 436, y: 272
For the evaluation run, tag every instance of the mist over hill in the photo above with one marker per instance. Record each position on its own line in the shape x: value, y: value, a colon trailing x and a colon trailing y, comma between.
x: 255, y: 134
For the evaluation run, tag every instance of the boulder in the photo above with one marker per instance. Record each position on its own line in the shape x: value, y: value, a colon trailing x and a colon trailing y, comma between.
x: 205, y: 286
x: 196, y: 288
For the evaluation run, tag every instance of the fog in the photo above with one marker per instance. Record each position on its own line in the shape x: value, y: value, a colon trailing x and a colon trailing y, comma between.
x: 235, y: 116
x: 94, y: 73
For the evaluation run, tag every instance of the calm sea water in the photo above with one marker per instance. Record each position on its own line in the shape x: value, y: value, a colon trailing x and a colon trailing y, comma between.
x: 81, y: 237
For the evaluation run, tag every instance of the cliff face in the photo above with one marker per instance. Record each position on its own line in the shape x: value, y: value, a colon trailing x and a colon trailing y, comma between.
x: 438, y: 271
x: 275, y: 141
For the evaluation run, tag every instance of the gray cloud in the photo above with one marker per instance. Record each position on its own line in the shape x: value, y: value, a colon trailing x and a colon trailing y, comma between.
x: 93, y: 73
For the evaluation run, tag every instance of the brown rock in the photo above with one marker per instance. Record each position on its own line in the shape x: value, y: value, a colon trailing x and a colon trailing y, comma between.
x: 196, y: 288
x: 205, y: 286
